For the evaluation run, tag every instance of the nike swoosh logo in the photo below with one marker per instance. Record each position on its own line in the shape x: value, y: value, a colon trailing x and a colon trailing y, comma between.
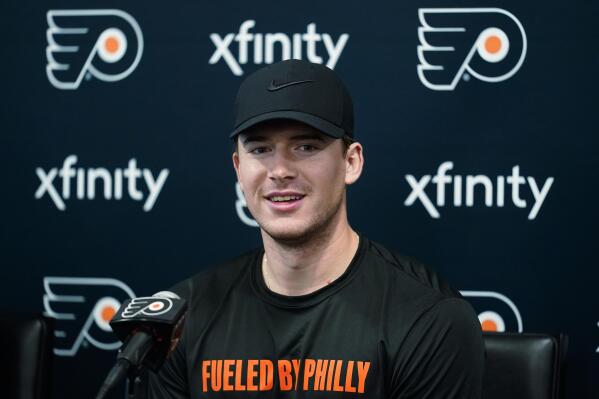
x: 274, y: 86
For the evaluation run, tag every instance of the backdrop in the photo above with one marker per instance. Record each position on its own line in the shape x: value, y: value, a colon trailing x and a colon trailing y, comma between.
x: 478, y: 121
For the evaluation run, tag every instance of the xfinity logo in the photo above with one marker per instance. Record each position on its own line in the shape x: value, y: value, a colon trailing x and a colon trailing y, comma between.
x: 263, y: 47
x: 494, y: 190
x: 81, y: 183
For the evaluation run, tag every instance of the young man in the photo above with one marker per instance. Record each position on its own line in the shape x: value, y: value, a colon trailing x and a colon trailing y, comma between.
x: 320, y: 311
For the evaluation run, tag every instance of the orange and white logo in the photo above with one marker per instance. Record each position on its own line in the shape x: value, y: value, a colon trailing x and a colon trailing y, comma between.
x: 105, y: 44
x: 149, y: 306
x: 459, y: 43
x: 496, y: 312
x: 83, y: 307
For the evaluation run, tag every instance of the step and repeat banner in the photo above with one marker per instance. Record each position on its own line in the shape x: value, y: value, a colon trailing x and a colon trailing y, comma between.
x: 479, y: 126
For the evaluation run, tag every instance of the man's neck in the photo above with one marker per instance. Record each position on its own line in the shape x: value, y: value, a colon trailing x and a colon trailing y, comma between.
x: 302, y: 269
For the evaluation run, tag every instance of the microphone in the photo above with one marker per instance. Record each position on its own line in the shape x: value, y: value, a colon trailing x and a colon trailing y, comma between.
x: 150, y: 328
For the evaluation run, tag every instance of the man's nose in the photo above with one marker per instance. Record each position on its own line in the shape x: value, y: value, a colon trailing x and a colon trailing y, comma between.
x: 282, y: 167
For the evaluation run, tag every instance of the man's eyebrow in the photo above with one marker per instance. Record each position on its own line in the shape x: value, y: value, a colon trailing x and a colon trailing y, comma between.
x: 308, y: 136
x: 252, y: 137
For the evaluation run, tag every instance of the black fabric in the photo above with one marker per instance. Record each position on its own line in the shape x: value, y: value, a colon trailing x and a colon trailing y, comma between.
x: 299, y: 90
x: 26, y: 355
x: 387, y: 328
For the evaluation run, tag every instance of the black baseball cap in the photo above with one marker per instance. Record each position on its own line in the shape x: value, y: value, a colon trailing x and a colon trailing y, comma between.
x: 298, y: 90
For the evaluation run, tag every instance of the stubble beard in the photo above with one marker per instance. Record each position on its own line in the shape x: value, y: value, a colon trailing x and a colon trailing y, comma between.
x: 315, y: 229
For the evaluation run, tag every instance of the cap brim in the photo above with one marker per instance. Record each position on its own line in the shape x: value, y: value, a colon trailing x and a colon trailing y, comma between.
x: 324, y: 126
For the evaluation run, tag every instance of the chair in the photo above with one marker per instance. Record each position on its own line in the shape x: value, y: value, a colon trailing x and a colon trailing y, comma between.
x: 25, y: 356
x: 523, y: 366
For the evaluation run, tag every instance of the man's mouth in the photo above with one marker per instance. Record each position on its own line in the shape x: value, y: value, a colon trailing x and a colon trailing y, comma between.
x: 285, y: 198
x: 284, y: 201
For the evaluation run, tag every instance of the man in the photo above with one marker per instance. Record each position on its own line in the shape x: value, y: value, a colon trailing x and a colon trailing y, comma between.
x: 320, y: 311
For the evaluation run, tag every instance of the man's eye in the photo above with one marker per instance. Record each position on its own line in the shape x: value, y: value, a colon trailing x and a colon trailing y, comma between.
x: 258, y: 150
x: 306, y: 147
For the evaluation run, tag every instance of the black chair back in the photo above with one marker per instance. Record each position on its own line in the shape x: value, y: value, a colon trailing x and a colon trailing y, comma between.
x: 25, y: 356
x: 523, y: 366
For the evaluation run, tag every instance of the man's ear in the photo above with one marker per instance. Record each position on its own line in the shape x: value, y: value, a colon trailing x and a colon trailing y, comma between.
x: 354, y: 162
x: 235, y: 158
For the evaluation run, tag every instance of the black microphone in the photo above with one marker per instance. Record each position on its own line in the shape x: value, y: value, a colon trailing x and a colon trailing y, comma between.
x: 150, y: 328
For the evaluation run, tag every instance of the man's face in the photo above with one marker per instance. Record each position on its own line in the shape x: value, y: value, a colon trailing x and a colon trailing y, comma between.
x: 293, y: 178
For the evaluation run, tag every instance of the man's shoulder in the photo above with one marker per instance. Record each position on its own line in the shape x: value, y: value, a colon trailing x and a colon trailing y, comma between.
x: 215, y: 279
x: 409, y: 269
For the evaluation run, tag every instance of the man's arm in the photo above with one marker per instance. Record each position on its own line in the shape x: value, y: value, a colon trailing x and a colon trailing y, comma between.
x: 442, y: 357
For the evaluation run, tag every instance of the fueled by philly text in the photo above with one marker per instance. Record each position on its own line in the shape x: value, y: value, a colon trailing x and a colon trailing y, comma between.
x: 284, y: 375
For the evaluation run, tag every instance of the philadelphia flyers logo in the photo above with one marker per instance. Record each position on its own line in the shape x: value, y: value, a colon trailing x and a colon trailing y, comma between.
x: 491, y: 321
x: 496, y: 312
x: 83, y: 308
x: 149, y: 306
x: 104, y: 44
x: 488, y: 44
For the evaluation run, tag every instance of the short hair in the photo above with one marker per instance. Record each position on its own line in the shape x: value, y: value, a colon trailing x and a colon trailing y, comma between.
x: 347, y: 141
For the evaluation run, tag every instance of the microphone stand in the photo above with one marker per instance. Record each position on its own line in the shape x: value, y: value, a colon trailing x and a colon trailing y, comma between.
x: 135, y: 386
x: 129, y: 364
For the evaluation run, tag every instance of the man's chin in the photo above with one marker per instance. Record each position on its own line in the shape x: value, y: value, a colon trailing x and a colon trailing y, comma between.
x: 288, y: 233
x: 299, y: 228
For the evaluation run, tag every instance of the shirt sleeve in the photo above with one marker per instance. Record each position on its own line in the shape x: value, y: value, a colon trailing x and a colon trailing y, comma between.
x: 442, y: 356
